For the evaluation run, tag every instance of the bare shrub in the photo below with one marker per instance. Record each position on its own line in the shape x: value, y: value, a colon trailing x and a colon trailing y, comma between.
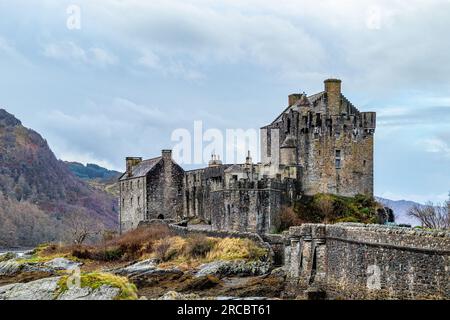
x: 81, y: 227
x: 162, y: 249
x: 432, y: 216
x: 326, y: 207
x: 288, y: 218
x: 198, y: 246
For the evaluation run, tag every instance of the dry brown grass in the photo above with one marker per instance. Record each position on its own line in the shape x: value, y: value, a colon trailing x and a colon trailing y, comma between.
x: 129, y: 246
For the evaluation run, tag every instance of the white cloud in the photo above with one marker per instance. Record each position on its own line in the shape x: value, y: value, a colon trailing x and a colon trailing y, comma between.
x: 103, y: 57
x: 436, y: 145
x: 168, y: 67
x: 8, y: 49
x: 69, y: 51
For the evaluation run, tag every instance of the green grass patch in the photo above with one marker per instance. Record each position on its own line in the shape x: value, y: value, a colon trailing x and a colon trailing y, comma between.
x: 95, y: 280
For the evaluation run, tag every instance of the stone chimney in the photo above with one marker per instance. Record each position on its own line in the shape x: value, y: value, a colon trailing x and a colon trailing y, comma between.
x: 333, y: 90
x: 130, y: 163
x: 293, y: 98
x: 215, y: 161
x: 166, y: 154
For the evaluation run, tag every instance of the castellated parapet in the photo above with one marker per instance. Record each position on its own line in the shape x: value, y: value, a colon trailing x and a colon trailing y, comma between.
x: 318, y: 144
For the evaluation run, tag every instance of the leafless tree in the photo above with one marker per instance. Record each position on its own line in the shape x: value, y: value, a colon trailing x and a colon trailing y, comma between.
x: 432, y: 216
x: 325, y: 205
x: 81, y: 227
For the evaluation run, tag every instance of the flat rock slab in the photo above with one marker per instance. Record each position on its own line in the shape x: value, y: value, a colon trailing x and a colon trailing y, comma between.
x: 102, y: 293
x: 62, y: 264
x: 137, y: 268
x: 43, y: 289
x: 9, y: 268
x: 234, y: 267
x: 47, y: 288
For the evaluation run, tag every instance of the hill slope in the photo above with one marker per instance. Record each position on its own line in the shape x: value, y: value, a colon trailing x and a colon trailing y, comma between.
x: 401, y: 208
x: 97, y: 177
x: 31, y: 176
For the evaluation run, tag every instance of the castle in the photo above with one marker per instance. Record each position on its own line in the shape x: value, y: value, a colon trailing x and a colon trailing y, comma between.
x: 318, y: 144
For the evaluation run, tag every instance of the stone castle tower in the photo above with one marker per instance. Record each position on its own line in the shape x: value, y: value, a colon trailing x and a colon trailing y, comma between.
x: 318, y: 144
x: 329, y: 139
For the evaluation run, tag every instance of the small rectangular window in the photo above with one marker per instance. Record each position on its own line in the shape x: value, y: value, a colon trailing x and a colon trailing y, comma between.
x: 338, y: 163
x: 338, y: 160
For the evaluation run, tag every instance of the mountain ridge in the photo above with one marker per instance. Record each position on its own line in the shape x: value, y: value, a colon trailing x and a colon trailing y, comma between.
x: 31, y: 175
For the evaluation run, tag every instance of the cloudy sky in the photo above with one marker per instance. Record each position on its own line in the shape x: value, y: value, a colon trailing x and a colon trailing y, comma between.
x: 120, y: 79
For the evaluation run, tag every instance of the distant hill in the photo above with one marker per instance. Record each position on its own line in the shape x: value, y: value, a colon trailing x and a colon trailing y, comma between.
x: 401, y: 208
x: 38, y: 191
x: 97, y: 177
x: 92, y: 171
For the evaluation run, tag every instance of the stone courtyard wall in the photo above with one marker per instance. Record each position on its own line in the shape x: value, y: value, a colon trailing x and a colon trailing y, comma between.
x: 355, y: 261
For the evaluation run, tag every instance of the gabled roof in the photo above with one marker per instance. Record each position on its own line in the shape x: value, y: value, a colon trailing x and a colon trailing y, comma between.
x: 142, y: 169
x: 235, y: 168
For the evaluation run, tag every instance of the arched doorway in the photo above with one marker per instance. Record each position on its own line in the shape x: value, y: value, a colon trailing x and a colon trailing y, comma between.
x: 161, y: 217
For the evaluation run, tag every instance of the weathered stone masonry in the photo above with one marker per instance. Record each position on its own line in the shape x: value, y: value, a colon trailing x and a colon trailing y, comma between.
x: 355, y: 261
x: 318, y: 144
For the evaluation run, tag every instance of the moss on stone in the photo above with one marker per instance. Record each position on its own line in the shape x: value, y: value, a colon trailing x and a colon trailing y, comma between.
x: 95, y: 280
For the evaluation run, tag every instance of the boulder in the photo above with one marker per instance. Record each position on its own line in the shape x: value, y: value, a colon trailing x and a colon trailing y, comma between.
x: 147, y: 272
x: 43, y: 289
x: 137, y: 268
x: 47, y: 288
x: 172, y: 295
x: 62, y: 264
x: 241, y: 268
x: 104, y: 292
x: 10, y: 267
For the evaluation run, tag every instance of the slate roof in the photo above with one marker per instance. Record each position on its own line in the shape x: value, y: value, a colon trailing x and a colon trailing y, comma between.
x: 142, y: 169
x: 235, y: 168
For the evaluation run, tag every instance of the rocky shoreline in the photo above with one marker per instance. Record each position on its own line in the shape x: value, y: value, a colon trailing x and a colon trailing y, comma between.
x: 22, y: 277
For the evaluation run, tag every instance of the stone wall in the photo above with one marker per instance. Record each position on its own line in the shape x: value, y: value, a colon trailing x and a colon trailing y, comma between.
x: 355, y: 261
x: 132, y: 203
x: 243, y: 205
x: 165, y: 191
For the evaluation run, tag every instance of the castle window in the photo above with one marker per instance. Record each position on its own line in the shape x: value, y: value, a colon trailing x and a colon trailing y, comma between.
x: 364, y: 163
x: 288, y: 130
x: 139, y: 201
x: 131, y: 201
x: 123, y: 203
x: 338, y: 160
